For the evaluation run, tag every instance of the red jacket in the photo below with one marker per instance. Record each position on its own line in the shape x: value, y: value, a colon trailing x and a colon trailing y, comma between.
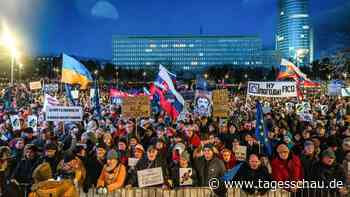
x: 195, y: 140
x: 289, y: 170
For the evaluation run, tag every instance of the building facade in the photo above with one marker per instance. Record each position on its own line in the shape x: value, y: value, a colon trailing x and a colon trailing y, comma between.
x: 271, y: 58
x: 186, y: 52
x: 294, y: 37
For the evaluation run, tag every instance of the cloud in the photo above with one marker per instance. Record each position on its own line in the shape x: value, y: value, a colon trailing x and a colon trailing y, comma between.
x: 104, y: 9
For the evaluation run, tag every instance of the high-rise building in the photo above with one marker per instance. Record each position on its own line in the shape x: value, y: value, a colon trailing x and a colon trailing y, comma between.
x: 294, y: 37
x: 186, y: 52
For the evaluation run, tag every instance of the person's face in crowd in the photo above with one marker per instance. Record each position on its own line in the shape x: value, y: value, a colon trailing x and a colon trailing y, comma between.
x: 129, y: 128
x: 107, y: 139
x: 309, y: 150
x: 133, y: 142
x: 284, y: 153
x: 152, y: 154
x: 138, y: 153
x: 249, y: 139
x: 50, y: 153
x: 254, y: 162
x: 121, y: 146
x: 306, y: 135
x: 29, y: 154
x: 159, y: 145
x: 316, y: 142
x: 189, y: 131
x: 82, y: 153
x: 226, y: 156
x: 100, y: 153
x: 235, y: 144
x: 328, y: 161
x: 211, y: 128
x: 120, y: 126
x: 112, y: 163
x: 321, y: 132
x: 208, y: 154
x: 211, y: 139
x: 160, y: 132
x: 232, y: 129
x: 297, y: 137
x: 70, y: 166
x: 183, y: 163
x: 19, y: 144
x: 223, y: 129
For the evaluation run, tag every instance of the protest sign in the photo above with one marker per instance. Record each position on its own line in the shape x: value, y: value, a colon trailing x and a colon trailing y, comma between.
x: 16, y: 125
x: 150, y: 177
x: 272, y: 89
x: 185, y: 176
x: 289, y: 106
x: 35, y: 85
x: 33, y: 122
x: 303, y: 107
x: 50, y: 88
x: 203, y: 103
x: 136, y: 107
x: 306, y: 117
x: 334, y: 88
x: 345, y: 92
x: 132, y: 161
x: 323, y: 109
x: 65, y: 114
x: 241, y: 153
x: 220, y: 103
x: 92, y: 93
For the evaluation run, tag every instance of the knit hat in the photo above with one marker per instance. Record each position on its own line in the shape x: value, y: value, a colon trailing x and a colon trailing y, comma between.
x: 185, y: 155
x: 42, y: 173
x: 308, y: 143
x: 328, y: 153
x: 112, y: 154
x: 139, y: 147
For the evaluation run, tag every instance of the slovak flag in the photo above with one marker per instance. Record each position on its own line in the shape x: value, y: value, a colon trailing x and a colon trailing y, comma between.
x: 164, y: 85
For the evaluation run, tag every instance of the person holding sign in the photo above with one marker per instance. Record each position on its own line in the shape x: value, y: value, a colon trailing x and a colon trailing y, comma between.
x: 152, y: 162
x: 113, y: 174
x: 189, y: 178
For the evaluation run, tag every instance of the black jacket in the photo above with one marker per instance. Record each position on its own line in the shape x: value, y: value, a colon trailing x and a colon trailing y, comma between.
x: 24, y: 169
x: 207, y: 170
x: 245, y: 173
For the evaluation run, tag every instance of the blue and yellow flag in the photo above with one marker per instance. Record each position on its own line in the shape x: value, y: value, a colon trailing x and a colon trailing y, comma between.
x: 74, y: 72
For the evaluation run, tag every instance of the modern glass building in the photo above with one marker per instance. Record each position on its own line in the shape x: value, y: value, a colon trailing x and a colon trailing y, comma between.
x: 186, y: 52
x: 271, y: 58
x: 294, y: 37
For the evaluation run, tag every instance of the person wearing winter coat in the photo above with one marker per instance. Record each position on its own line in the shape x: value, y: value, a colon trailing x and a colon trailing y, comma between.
x: 151, y: 161
x: 94, y: 167
x: 253, y: 171
x: 184, y: 162
x: 228, y: 158
x: 44, y: 185
x: 328, y: 170
x: 52, y: 156
x: 72, y: 168
x: 208, y: 167
x: 286, y: 166
x: 308, y: 159
x: 113, y: 174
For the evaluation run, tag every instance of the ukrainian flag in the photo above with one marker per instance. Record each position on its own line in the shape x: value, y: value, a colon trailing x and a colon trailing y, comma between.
x: 74, y: 72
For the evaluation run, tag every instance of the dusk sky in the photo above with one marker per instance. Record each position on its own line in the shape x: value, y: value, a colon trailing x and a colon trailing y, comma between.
x: 85, y: 27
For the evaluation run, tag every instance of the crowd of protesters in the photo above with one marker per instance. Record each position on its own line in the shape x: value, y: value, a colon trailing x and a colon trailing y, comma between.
x: 65, y: 158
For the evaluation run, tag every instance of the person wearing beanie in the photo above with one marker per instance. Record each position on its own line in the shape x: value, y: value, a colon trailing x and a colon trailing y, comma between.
x: 152, y: 160
x: 71, y: 167
x: 139, y: 151
x: 95, y: 165
x: 327, y: 170
x: 52, y: 156
x: 24, y: 169
x: 185, y: 164
x: 45, y: 185
x: 208, y: 167
x: 286, y: 166
x: 113, y: 174
x: 308, y: 159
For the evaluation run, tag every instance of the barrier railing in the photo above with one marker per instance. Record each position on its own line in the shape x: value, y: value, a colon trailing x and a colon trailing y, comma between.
x: 183, y: 192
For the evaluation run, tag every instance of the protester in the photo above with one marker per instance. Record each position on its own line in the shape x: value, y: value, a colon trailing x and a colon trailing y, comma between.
x: 72, y: 168
x: 185, y: 163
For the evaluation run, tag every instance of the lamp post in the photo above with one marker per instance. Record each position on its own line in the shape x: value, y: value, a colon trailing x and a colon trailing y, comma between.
x: 206, y: 76
x: 144, y: 74
x: 246, y: 76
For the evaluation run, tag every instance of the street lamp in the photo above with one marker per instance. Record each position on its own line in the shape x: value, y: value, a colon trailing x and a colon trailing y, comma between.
x: 206, y: 76
x: 226, y: 76
x: 246, y: 76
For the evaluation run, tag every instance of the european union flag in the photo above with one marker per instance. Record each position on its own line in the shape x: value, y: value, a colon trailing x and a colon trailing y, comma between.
x: 261, y: 132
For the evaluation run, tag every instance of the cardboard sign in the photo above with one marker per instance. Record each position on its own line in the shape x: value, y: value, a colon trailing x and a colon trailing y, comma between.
x: 136, y: 107
x: 65, y: 114
x: 16, y: 124
x: 220, y: 103
x: 132, y: 161
x: 33, y: 122
x: 272, y: 89
x: 306, y: 117
x: 50, y: 88
x: 345, y: 92
x: 185, y: 176
x: 150, y: 177
x: 241, y: 153
x: 36, y: 85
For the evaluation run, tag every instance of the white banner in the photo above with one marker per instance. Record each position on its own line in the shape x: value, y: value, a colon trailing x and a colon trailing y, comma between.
x: 65, y: 114
x: 35, y: 85
x: 132, y: 161
x: 272, y: 89
x: 150, y: 177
